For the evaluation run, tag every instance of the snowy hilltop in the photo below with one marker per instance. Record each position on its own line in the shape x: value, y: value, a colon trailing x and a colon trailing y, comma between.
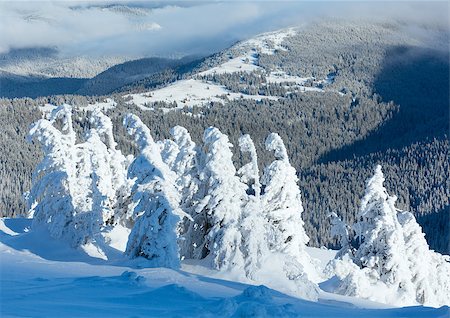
x: 144, y: 223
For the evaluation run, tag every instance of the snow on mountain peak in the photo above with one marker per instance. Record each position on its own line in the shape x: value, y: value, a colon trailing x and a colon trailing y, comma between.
x: 268, y: 43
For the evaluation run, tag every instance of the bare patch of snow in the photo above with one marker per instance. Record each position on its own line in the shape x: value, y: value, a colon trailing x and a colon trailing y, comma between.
x: 267, y: 43
x: 94, y: 251
x: 76, y: 284
x: 117, y: 237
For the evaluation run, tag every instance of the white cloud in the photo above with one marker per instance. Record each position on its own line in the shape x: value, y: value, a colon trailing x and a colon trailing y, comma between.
x: 137, y: 28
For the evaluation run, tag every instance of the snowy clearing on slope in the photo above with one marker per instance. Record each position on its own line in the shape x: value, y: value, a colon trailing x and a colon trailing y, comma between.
x: 42, y: 277
x: 244, y: 63
x: 189, y: 93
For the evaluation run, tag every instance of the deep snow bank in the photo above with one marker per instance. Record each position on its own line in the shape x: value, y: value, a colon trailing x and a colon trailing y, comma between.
x: 41, y: 277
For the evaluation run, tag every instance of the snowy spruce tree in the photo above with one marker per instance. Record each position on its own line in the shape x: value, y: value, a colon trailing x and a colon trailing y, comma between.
x: 254, y: 226
x: 110, y: 167
x: 222, y: 203
x: 187, y: 171
x: 379, y: 261
x: 380, y: 235
x: 156, y: 201
x: 283, y: 209
x: 430, y: 270
x: 50, y: 198
x: 64, y: 197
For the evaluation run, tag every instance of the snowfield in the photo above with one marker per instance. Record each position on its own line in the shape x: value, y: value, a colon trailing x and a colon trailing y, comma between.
x: 189, y: 93
x: 244, y: 63
x: 42, y: 277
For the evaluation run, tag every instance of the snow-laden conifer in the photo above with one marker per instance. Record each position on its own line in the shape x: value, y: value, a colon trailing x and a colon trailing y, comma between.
x: 88, y: 201
x: 156, y: 200
x: 62, y: 196
x: 223, y: 202
x: 283, y: 209
x: 282, y: 202
x: 50, y: 198
x: 382, y: 272
x: 430, y: 270
x: 250, y: 172
x: 186, y: 168
x: 382, y: 246
x: 110, y: 167
x: 254, y: 226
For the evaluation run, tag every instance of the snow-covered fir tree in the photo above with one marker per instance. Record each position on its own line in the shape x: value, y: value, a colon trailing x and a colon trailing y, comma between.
x: 186, y: 164
x: 430, y: 270
x: 88, y: 201
x: 110, y: 167
x: 156, y: 201
x: 379, y: 270
x: 222, y: 204
x: 254, y: 226
x: 382, y: 246
x: 282, y: 206
x: 50, y: 198
x: 282, y: 202
x: 63, y: 194
x: 187, y: 169
x: 393, y: 263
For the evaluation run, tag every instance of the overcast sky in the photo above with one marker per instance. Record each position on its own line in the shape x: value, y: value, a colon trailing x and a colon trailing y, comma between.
x: 178, y: 28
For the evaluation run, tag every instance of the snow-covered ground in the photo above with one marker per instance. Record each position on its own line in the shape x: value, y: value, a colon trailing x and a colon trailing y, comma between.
x: 243, y: 63
x: 189, y: 93
x: 269, y: 43
x: 41, y: 277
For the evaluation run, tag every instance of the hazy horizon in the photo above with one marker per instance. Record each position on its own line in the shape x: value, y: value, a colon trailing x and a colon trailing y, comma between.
x: 176, y: 28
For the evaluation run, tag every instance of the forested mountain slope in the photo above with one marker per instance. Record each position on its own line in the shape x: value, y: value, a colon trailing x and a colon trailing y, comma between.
x: 113, y: 78
x: 343, y: 95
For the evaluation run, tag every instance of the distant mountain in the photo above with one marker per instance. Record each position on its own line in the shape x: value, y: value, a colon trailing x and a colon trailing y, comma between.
x: 47, y: 62
x: 129, y: 72
x: 16, y: 86
x: 32, y: 81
